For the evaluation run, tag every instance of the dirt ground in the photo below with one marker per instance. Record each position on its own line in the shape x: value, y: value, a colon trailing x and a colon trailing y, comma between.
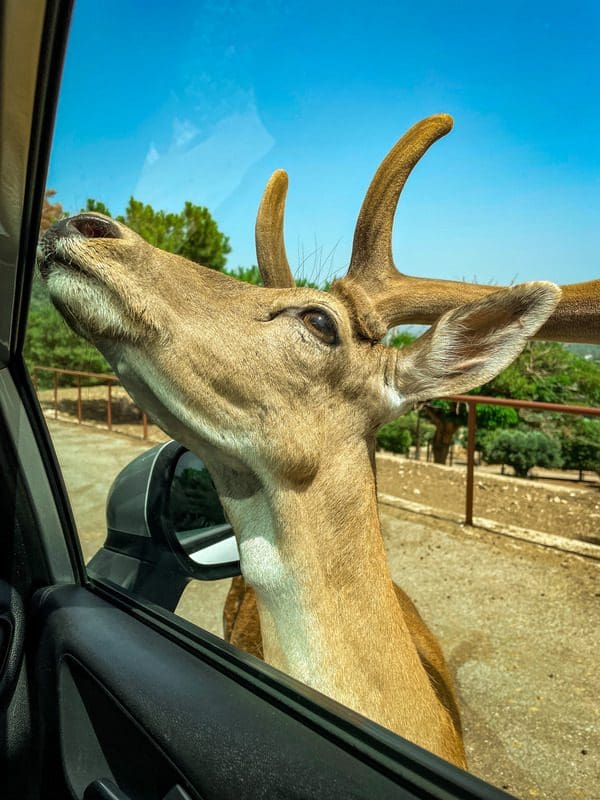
x: 542, y: 504
x: 518, y: 622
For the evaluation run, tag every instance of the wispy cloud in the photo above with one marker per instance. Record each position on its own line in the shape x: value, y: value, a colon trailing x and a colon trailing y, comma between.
x: 204, y: 169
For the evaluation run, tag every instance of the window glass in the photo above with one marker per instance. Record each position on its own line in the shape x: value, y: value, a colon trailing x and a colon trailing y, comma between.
x: 171, y: 124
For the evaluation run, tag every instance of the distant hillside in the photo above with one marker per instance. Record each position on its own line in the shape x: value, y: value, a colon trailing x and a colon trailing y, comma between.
x: 590, y: 351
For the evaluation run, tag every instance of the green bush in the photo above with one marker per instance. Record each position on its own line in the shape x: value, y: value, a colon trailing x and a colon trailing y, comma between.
x: 522, y: 450
x: 51, y: 343
x: 491, y: 419
x: 395, y: 436
x: 580, y: 445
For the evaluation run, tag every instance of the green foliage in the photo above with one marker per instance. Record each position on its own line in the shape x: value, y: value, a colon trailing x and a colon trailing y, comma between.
x: 545, y: 371
x: 247, y: 274
x: 413, y: 421
x: 550, y: 373
x: 97, y: 207
x: 192, y: 233
x: 39, y: 293
x: 402, y: 339
x: 522, y: 450
x: 448, y: 410
x: 580, y: 445
x: 395, y: 436
x: 252, y: 275
x: 492, y: 418
x: 312, y: 285
x: 51, y: 343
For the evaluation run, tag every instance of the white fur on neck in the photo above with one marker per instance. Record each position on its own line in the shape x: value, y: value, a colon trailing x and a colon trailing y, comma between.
x: 285, y: 619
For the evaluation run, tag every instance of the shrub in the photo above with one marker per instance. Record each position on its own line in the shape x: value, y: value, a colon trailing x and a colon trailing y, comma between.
x: 395, y: 437
x: 580, y: 445
x: 491, y: 419
x: 51, y: 343
x: 522, y: 450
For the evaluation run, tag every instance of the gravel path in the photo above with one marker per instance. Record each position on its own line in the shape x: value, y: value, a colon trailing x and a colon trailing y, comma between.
x: 564, y: 509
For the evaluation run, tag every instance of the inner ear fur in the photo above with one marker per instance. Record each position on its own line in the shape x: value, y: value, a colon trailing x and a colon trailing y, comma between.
x: 471, y: 344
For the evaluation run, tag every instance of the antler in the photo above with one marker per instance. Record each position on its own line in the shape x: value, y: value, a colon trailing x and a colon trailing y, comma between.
x: 270, y: 247
x: 381, y: 297
x: 371, y: 261
x: 376, y: 293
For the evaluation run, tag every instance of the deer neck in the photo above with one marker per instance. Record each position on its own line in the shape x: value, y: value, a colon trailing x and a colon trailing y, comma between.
x: 328, y: 608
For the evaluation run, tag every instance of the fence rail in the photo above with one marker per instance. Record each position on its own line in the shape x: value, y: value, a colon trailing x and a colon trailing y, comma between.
x: 108, y: 378
x: 472, y: 401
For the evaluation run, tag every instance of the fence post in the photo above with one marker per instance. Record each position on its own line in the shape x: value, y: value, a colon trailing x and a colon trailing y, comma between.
x: 79, y: 399
x: 56, y: 395
x: 109, y: 407
x: 472, y: 424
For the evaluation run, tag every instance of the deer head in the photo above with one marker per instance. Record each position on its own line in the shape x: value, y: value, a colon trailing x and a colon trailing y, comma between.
x: 273, y: 377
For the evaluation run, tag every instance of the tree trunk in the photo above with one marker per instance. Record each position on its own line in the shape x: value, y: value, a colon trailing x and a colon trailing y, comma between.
x: 442, y: 439
x: 445, y: 428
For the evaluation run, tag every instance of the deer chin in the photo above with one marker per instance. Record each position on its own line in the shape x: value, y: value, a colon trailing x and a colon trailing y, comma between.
x: 88, y: 306
x: 180, y: 413
x: 87, y: 292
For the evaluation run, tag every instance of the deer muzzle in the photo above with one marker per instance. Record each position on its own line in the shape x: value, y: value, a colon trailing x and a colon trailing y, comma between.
x: 82, y: 226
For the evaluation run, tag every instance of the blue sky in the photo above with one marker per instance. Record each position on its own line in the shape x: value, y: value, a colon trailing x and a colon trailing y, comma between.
x: 201, y: 101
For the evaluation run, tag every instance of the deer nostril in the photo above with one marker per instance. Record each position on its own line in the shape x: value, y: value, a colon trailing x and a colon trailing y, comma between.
x: 90, y: 226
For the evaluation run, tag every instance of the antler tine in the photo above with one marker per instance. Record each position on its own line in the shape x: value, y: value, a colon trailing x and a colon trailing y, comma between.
x: 422, y: 301
x: 270, y: 247
x: 379, y: 297
x: 372, y: 248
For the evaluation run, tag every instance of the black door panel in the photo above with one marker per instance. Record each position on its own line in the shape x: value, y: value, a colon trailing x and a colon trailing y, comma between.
x: 101, y: 740
x: 12, y: 636
x: 173, y: 718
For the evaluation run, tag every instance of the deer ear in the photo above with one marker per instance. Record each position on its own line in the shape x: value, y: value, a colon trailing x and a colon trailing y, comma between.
x: 471, y: 344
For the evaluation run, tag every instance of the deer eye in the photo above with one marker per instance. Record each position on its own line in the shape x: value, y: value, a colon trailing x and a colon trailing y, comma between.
x: 320, y: 324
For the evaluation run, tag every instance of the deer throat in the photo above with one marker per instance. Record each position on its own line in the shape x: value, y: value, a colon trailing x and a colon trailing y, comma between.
x: 326, y: 600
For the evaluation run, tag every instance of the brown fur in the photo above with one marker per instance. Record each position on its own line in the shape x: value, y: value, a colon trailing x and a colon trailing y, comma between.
x: 241, y: 627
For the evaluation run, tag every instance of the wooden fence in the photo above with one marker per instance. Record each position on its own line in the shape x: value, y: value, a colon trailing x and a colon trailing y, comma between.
x: 471, y: 401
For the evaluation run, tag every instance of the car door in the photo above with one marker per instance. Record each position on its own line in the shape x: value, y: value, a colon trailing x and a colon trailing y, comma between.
x: 103, y: 694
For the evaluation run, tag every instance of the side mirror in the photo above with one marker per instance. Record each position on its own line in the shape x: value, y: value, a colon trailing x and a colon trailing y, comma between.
x: 165, y: 526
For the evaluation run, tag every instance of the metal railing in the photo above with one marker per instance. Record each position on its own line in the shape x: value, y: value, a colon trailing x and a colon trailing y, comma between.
x: 472, y: 401
x: 108, y: 378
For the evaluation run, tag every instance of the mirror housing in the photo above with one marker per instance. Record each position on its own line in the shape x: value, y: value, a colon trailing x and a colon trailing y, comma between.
x: 165, y: 526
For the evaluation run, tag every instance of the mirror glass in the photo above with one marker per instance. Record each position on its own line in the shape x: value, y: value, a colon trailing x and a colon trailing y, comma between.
x: 193, y: 500
x: 197, y: 514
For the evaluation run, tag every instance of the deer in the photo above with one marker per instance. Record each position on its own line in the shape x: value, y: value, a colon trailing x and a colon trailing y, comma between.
x: 280, y: 390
